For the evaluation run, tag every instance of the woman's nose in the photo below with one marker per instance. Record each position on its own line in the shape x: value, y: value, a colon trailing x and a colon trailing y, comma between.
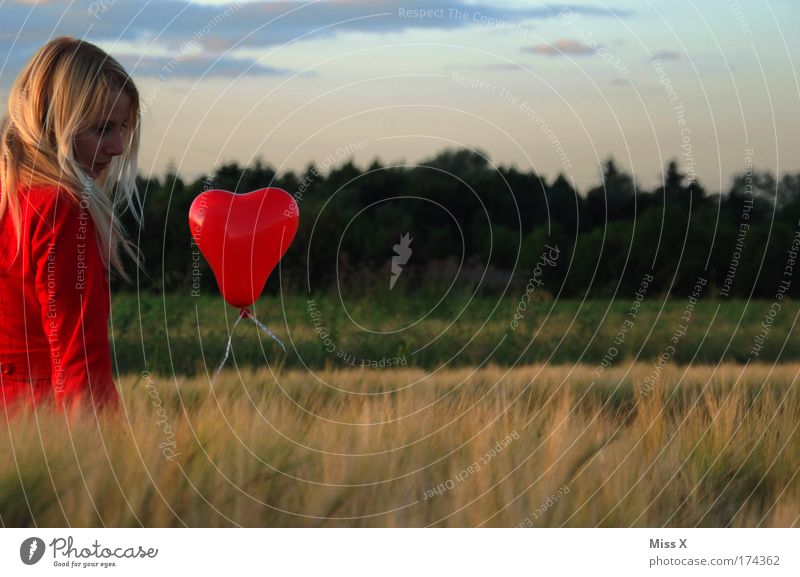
x: 114, y: 146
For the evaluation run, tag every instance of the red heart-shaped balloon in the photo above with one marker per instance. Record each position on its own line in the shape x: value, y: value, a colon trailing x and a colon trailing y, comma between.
x: 243, y: 236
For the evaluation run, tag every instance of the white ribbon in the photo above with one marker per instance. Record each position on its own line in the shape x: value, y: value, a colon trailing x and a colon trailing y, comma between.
x: 243, y: 314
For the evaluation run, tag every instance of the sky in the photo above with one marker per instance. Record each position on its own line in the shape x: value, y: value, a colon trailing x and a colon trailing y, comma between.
x: 555, y: 88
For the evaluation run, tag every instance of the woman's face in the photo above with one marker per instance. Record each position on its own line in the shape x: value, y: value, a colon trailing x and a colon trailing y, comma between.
x: 96, y: 147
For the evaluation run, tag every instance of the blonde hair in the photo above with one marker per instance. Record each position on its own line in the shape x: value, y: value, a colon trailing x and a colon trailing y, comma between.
x: 61, y: 92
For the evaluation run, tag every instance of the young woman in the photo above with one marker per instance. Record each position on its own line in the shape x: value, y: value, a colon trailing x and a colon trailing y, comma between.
x: 68, y: 149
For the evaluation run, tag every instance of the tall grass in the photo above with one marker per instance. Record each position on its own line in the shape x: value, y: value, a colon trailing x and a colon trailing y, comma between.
x: 531, y: 446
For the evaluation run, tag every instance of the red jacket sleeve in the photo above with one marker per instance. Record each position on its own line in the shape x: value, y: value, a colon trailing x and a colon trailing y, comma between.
x: 72, y: 288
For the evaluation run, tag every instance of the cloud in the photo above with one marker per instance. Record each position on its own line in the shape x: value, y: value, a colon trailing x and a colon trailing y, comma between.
x: 163, y: 25
x: 562, y: 47
x: 195, y: 66
x: 666, y: 55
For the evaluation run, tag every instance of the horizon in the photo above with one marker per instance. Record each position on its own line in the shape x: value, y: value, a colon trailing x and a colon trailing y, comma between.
x: 548, y: 179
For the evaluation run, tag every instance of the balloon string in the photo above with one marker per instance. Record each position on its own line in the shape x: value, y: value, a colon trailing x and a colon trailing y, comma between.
x: 246, y: 313
x: 243, y: 314
x: 228, y: 348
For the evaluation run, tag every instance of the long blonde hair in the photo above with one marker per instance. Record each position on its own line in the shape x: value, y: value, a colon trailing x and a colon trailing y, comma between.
x: 60, y: 93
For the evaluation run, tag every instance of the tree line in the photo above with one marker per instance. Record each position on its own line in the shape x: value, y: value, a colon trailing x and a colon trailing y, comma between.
x: 479, y: 228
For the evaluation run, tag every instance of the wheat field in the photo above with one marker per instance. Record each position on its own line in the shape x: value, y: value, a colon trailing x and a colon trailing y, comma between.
x: 533, y: 446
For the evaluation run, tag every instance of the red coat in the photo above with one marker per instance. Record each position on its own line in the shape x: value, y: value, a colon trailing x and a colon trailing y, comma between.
x: 54, y: 305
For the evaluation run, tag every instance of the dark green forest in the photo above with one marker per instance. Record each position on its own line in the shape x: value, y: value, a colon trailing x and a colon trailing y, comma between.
x: 482, y: 229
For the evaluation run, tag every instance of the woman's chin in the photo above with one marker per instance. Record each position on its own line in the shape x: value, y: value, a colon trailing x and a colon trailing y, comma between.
x: 97, y: 173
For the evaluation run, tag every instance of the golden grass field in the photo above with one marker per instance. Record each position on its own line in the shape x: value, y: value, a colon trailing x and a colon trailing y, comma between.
x: 533, y: 446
